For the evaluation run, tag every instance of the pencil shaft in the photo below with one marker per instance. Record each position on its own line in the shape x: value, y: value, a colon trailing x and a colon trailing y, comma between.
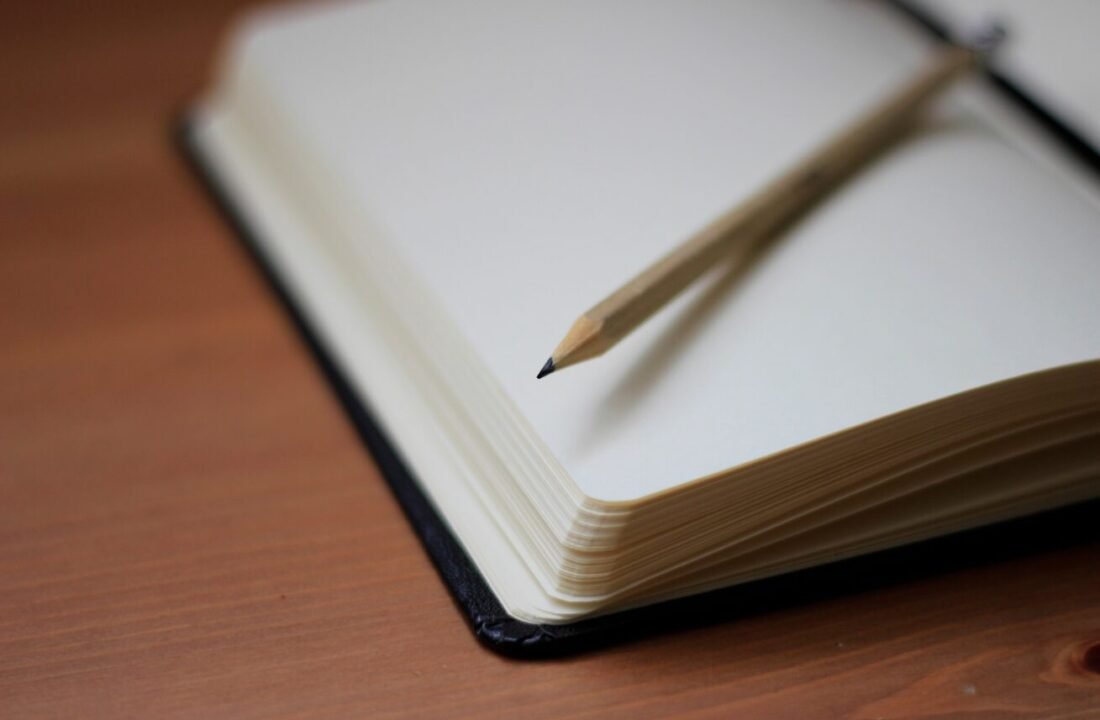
x: 761, y: 214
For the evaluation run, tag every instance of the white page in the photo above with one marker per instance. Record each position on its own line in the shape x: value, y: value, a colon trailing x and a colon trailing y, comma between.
x: 526, y: 158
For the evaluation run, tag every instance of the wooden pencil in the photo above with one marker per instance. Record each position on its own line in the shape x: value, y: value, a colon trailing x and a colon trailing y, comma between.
x: 752, y: 221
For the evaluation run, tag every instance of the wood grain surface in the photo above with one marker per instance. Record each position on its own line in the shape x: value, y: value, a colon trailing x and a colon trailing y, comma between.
x: 190, y: 528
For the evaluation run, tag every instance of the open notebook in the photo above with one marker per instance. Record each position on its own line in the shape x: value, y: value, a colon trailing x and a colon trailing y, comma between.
x: 917, y: 356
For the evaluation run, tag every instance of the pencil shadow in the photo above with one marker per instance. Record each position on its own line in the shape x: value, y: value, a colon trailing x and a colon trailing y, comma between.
x: 631, y: 390
x: 639, y: 382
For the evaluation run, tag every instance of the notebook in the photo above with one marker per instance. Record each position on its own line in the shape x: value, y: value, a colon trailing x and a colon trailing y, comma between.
x: 916, y: 357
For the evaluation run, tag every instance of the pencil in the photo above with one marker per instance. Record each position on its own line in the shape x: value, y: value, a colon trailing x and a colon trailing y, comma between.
x: 752, y: 221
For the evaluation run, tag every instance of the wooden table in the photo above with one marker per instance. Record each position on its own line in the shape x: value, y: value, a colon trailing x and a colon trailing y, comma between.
x: 190, y: 528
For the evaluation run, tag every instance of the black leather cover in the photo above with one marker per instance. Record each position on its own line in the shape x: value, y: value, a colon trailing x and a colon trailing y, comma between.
x: 505, y: 634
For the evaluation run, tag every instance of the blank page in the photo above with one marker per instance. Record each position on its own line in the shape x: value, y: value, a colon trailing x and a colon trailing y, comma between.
x: 526, y: 158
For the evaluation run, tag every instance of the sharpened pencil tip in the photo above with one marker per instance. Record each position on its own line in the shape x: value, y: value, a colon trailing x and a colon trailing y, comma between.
x: 546, y: 369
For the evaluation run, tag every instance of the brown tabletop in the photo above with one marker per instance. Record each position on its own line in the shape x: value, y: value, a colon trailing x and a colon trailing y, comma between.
x: 189, y: 526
